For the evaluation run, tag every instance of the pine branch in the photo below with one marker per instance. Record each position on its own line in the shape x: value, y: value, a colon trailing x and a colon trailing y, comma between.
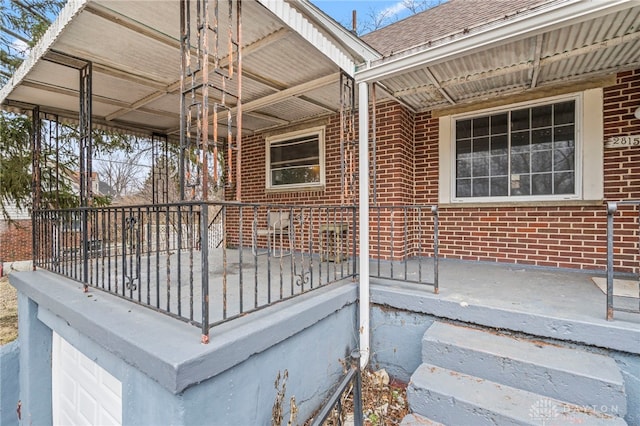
x: 30, y: 9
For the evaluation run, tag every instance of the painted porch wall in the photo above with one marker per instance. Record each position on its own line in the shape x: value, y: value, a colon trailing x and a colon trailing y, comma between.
x: 553, y: 234
x: 9, y: 383
x: 399, y: 322
x: 167, y: 376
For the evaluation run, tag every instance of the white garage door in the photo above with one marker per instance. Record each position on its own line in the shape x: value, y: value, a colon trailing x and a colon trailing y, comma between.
x: 83, y: 393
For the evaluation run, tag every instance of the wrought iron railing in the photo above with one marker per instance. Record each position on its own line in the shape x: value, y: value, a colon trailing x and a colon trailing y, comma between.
x: 404, y: 243
x: 345, y: 399
x: 624, y: 302
x: 160, y: 255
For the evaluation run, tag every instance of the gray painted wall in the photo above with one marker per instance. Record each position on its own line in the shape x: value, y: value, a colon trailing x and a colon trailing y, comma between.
x: 9, y: 383
x: 167, y: 376
x: 630, y: 366
x: 397, y: 343
x: 35, y: 363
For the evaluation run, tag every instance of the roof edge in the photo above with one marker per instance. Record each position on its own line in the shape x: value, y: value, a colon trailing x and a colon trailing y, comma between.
x: 68, y: 12
x: 523, y: 25
x: 309, y: 24
x: 346, y: 38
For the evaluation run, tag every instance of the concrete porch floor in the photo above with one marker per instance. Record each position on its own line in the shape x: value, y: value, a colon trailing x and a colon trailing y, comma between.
x: 559, y: 304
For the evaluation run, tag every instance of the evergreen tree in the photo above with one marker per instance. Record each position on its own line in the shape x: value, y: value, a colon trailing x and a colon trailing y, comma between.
x: 22, y: 24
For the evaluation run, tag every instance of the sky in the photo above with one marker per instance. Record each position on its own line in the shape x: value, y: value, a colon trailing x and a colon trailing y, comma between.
x: 340, y: 10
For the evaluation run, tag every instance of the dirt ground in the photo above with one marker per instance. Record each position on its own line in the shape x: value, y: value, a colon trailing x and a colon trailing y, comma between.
x: 384, y: 402
x: 8, y: 312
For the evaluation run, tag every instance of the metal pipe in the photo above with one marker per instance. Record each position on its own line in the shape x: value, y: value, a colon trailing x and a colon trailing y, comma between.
x: 363, y: 189
x: 612, y: 207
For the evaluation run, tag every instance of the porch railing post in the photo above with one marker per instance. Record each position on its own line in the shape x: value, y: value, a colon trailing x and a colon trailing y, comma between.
x: 354, y: 240
x: 357, y: 389
x: 612, y: 207
x: 204, y: 244
x: 436, y: 247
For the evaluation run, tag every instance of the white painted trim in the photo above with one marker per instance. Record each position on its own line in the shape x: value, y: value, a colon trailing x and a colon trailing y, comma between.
x: 68, y: 12
x: 589, y: 154
x: 521, y: 26
x: 305, y: 29
x: 321, y: 132
x: 342, y: 35
x: 592, y: 145
x: 363, y: 200
x: 445, y: 150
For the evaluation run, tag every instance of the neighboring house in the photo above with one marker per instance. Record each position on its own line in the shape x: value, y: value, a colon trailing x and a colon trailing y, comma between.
x: 16, y: 230
x: 15, y: 235
x: 492, y: 136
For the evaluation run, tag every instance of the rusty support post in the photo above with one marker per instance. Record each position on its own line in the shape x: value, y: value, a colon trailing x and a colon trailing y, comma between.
x: 86, y: 140
x: 203, y: 119
x: 373, y: 143
x: 347, y: 140
x: 86, y: 155
x: 239, y: 102
x: 36, y: 185
x: 185, y: 46
x: 159, y: 169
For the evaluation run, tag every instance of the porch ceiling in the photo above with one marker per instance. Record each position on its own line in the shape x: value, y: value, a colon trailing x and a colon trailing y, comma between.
x: 588, y: 40
x: 291, y: 64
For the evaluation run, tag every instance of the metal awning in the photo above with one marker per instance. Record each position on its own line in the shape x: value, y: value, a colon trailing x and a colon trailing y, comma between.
x: 292, y: 57
x: 557, y: 44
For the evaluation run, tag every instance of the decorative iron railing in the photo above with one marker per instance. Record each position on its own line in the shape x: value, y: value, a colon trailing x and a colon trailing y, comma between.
x: 628, y: 300
x: 161, y: 256
x: 404, y: 243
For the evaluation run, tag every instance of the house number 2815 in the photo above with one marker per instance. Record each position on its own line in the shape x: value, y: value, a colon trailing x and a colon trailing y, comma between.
x: 622, y: 141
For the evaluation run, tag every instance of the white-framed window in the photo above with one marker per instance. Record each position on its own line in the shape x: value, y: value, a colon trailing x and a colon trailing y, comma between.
x: 296, y: 160
x: 530, y: 151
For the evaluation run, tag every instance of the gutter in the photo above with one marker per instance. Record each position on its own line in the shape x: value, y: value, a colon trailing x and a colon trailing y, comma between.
x: 522, y: 26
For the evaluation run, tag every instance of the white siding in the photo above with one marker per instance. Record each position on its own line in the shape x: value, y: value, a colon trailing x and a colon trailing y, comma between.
x: 16, y: 213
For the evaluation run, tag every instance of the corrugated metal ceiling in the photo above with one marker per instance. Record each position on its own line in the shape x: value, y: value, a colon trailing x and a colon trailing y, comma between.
x: 134, y: 48
x: 591, y: 48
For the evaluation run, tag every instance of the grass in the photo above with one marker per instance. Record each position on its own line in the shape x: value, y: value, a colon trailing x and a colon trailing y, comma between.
x: 8, y: 312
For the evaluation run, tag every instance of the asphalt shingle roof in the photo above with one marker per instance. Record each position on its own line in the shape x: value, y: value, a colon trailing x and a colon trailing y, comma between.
x: 449, y: 18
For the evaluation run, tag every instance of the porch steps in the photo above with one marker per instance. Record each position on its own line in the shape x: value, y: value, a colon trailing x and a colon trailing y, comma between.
x: 471, y: 376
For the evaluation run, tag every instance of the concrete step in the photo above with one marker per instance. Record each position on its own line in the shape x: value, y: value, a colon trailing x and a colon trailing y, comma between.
x: 418, y: 420
x: 453, y: 398
x: 568, y: 374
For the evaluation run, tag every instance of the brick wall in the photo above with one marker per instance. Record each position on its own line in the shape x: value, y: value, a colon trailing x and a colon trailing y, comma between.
x: 552, y: 236
x: 567, y: 236
x: 15, y: 240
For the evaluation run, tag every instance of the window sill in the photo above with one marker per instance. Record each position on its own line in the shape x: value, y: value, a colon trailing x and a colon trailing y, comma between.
x: 546, y: 203
x: 314, y: 188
